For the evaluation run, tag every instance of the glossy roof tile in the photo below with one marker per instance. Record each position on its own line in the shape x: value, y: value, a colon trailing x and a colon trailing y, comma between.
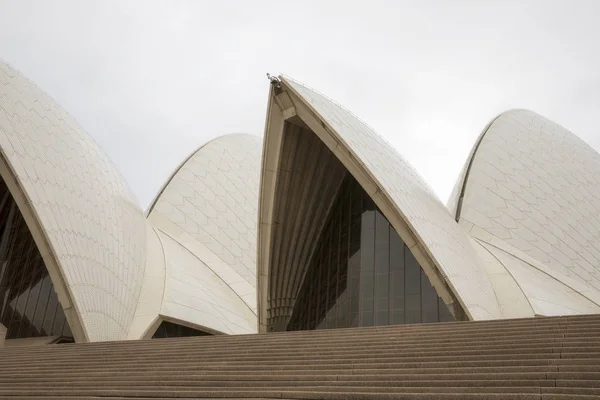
x: 533, y: 194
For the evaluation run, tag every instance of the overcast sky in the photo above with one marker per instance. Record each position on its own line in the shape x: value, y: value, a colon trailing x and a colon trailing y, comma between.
x: 153, y: 80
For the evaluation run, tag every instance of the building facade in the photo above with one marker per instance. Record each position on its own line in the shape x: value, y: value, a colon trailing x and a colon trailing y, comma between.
x: 81, y: 260
x: 321, y: 224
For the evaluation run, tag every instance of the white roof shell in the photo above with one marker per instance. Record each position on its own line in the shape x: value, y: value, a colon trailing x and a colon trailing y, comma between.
x: 197, y: 296
x: 421, y: 220
x: 116, y: 273
x: 531, y: 201
x: 86, y: 222
x: 528, y: 197
x: 205, y: 216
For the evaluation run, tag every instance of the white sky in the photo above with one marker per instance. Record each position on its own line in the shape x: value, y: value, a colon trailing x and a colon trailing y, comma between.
x: 153, y: 80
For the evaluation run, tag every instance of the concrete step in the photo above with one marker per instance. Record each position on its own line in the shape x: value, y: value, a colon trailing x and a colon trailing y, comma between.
x: 307, y: 396
x: 341, y: 394
x: 170, y: 344
x: 357, y: 376
x: 303, y: 370
x: 398, y: 352
x: 562, y: 364
x: 340, y: 359
x: 348, y: 346
x: 418, y: 329
x: 543, y: 358
x: 207, y: 347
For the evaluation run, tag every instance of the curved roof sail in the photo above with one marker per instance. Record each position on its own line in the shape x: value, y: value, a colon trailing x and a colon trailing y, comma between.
x: 83, y: 217
x: 532, y: 200
x: 418, y: 216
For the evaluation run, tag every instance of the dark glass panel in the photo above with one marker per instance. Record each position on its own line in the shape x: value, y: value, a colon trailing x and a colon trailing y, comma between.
x: 308, y: 313
x: 28, y: 304
x: 396, y: 278
x: 445, y: 315
x: 161, y: 332
x: 362, y: 273
x: 323, y: 275
x: 382, y: 270
x: 367, y: 266
x: 412, y: 289
x: 43, y: 299
x: 67, y: 330
x: 50, y: 316
x: 31, y: 307
x: 59, y: 320
x: 429, y: 301
x: 354, y: 256
x: 168, y: 329
x: 332, y: 270
x: 343, y: 300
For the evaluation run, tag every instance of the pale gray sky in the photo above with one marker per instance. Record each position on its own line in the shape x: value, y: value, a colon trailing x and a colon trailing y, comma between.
x: 153, y: 80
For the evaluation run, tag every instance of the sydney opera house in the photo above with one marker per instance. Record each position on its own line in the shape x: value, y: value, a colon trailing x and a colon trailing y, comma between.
x: 319, y: 224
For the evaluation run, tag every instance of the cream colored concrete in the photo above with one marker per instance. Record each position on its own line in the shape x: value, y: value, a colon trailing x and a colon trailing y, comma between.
x: 268, y: 178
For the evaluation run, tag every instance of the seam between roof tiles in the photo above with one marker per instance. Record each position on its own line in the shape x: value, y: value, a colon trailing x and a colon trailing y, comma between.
x: 164, y: 254
x: 538, y: 269
x: 59, y: 107
x: 551, y: 221
x: 208, y: 266
x: 144, y: 278
x: 568, y: 222
x: 574, y: 227
x: 179, y: 167
x: 510, y: 273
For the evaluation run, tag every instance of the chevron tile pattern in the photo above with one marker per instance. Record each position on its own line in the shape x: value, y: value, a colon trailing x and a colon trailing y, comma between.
x: 533, y: 193
x: 88, y: 215
x: 210, y: 206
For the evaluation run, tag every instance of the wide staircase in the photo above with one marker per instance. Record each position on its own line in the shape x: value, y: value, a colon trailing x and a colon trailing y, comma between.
x: 543, y: 358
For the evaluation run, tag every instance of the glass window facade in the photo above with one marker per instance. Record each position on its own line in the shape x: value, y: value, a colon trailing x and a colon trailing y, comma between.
x: 29, y: 306
x: 168, y: 329
x: 362, y: 273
